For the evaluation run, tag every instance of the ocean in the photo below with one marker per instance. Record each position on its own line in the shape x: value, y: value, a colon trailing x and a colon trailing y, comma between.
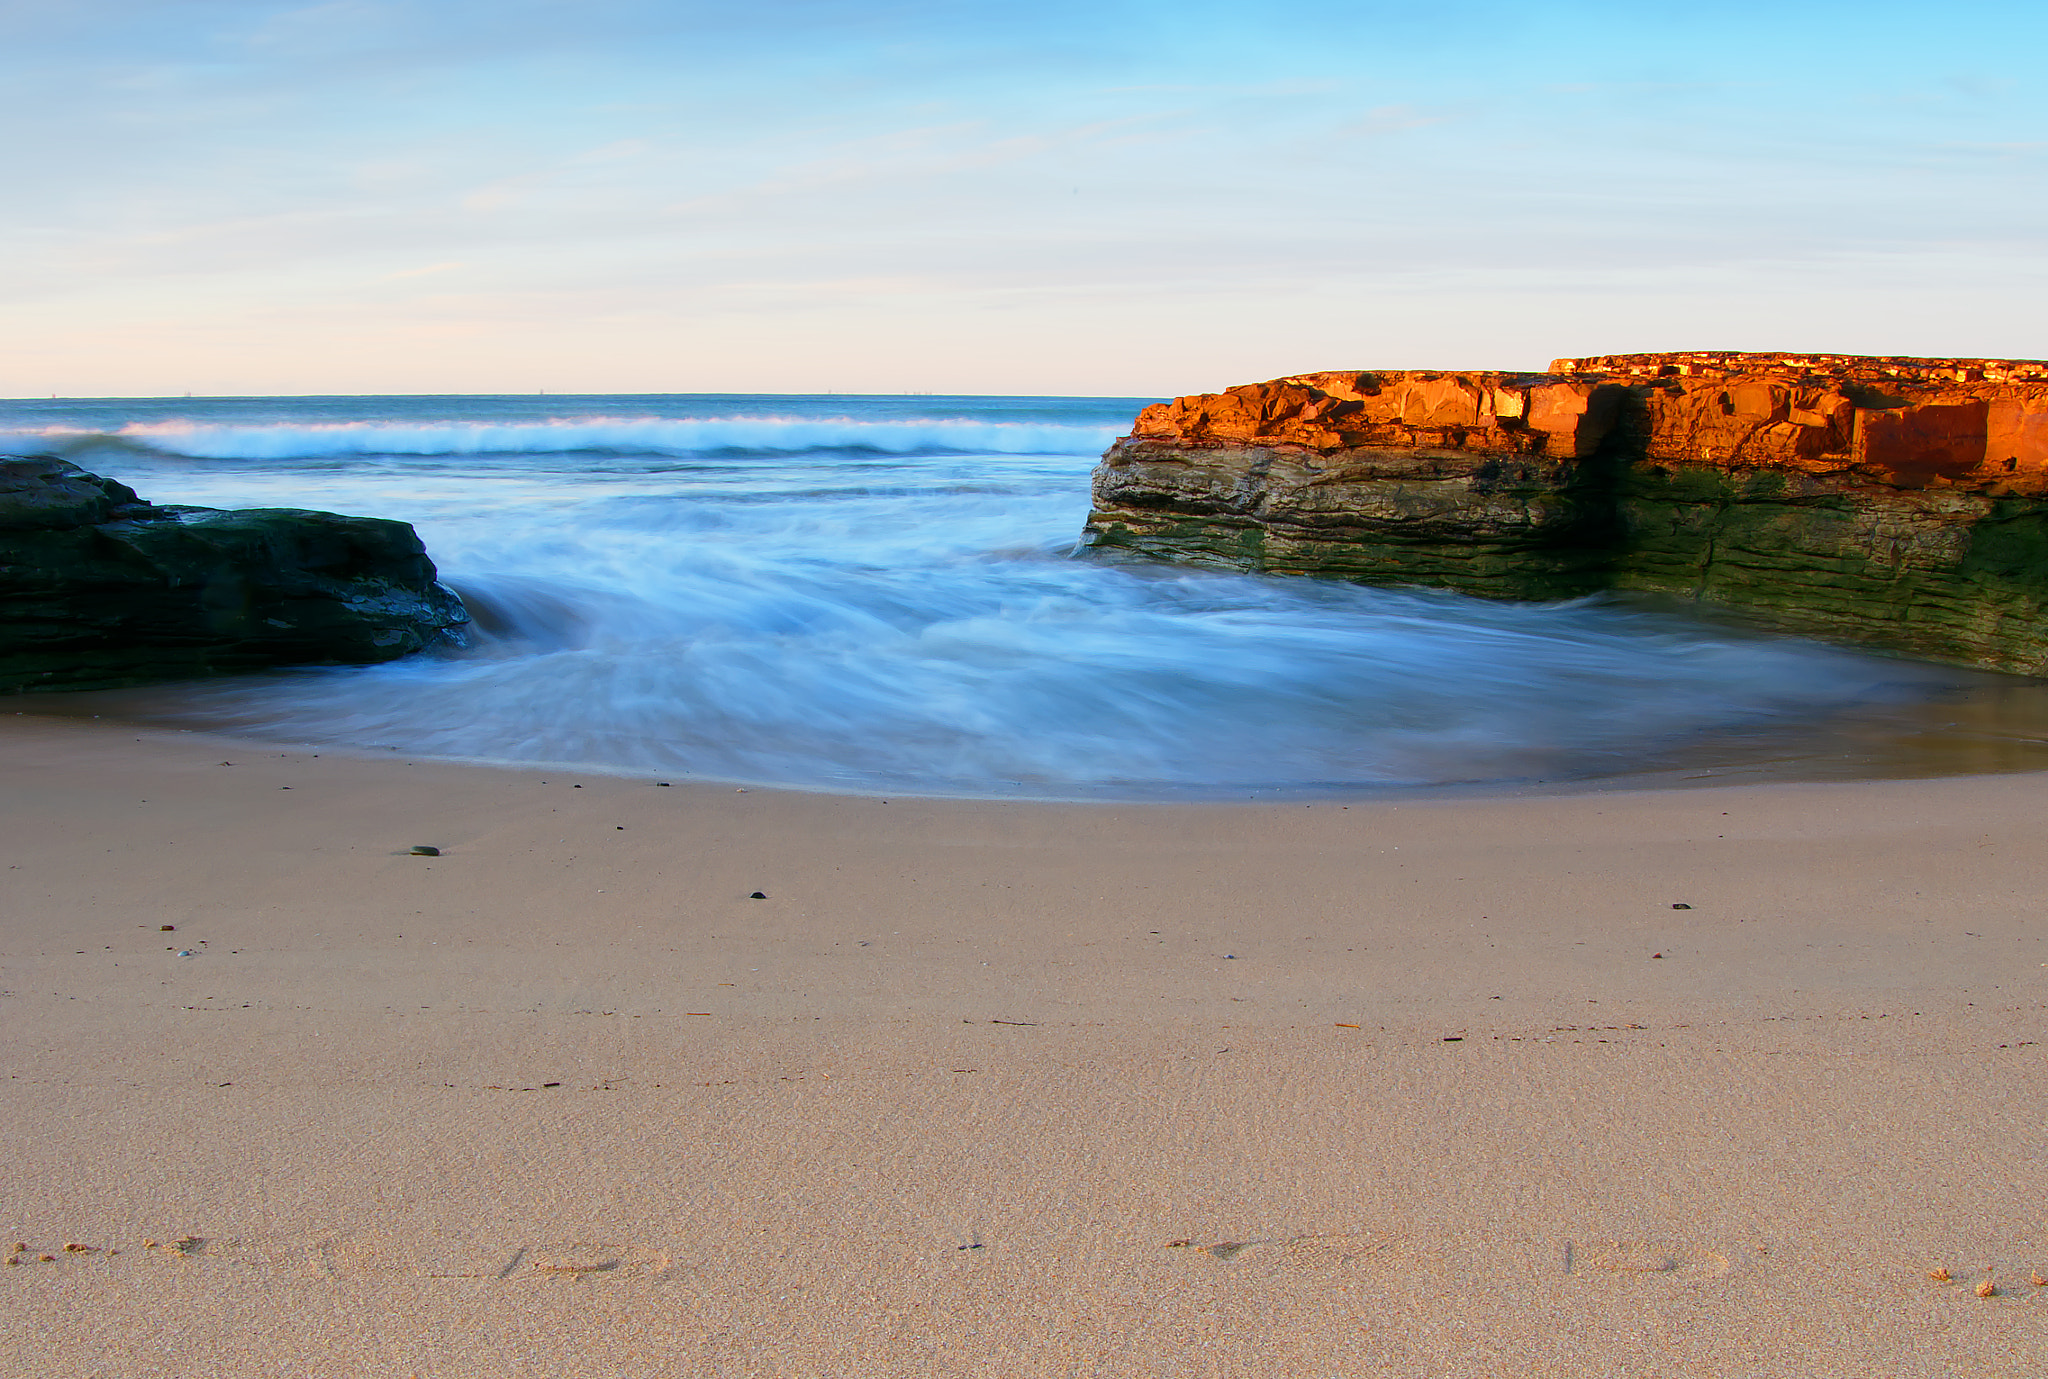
x: 884, y: 595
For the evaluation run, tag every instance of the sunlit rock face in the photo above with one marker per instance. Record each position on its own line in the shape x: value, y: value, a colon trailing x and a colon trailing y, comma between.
x: 99, y: 588
x: 1899, y: 503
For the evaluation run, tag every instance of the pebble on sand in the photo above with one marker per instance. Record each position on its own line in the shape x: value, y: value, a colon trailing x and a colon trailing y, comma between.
x: 422, y: 850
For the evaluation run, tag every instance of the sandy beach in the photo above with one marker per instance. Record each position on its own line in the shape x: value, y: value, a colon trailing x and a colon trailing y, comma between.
x: 1695, y: 1082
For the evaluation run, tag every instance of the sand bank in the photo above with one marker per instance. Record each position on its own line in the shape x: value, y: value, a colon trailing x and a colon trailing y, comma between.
x: 1003, y: 1089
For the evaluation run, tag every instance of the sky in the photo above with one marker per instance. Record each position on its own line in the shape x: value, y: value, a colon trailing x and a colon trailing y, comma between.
x: 1120, y: 197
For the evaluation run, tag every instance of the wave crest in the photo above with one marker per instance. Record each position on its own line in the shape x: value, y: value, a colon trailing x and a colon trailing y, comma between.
x: 738, y: 435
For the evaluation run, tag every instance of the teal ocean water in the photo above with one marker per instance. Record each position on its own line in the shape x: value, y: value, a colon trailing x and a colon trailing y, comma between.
x: 884, y: 594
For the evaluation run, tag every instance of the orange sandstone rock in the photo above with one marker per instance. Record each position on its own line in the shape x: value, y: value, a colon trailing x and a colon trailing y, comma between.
x: 1898, y: 502
x: 1913, y: 423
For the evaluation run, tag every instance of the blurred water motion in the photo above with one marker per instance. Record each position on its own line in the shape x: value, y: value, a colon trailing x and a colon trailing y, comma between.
x: 882, y: 594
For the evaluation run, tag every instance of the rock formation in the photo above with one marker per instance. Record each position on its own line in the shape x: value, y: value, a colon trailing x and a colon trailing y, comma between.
x: 99, y: 588
x: 1899, y: 503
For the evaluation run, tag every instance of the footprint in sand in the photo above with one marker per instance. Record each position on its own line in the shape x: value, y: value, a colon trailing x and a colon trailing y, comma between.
x: 1643, y: 1259
x: 1331, y: 1250
x: 581, y: 1259
x: 315, y: 1258
x: 561, y: 1261
x: 1386, y: 1253
x: 333, y: 1257
x: 431, y: 1256
x: 186, y: 1251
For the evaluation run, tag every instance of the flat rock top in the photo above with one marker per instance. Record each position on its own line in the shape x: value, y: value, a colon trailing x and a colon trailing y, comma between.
x: 1772, y: 364
x: 1980, y: 424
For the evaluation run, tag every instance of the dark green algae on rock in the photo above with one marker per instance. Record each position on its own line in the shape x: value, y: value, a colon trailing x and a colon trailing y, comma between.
x: 1947, y: 575
x: 100, y: 589
x: 1800, y: 494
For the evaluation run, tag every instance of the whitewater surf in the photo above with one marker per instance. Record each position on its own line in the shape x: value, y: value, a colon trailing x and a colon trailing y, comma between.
x: 884, y: 594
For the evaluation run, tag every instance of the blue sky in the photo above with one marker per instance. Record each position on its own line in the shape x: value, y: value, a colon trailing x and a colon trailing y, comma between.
x: 1119, y: 198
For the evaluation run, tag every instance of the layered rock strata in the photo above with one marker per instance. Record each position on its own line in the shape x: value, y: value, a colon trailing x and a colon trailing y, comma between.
x: 99, y: 588
x: 1900, y: 503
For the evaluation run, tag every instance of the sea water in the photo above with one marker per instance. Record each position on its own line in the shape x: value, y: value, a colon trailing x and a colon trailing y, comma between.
x: 887, y: 594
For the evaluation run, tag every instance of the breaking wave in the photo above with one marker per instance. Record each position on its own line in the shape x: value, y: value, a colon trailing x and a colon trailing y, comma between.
x: 718, y: 436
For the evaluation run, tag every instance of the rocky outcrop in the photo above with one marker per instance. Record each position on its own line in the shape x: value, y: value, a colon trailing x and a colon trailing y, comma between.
x: 99, y: 588
x: 1901, y: 503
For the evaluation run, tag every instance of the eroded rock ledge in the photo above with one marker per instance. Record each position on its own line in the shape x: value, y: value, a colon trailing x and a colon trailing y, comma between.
x: 1900, y: 503
x: 99, y: 588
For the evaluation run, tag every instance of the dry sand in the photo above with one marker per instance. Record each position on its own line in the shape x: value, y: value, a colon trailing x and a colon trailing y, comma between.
x: 1005, y: 1089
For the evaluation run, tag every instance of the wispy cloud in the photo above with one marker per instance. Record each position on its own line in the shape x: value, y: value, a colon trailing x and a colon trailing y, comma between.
x: 1178, y: 176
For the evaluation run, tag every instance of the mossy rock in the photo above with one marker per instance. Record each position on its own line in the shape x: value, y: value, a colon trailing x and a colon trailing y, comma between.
x: 99, y: 588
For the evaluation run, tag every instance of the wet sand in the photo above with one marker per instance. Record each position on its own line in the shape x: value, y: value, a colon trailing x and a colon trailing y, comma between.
x: 1445, y: 1087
